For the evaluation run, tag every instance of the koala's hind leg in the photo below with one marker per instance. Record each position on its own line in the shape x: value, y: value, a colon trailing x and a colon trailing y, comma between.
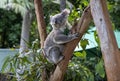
x: 55, y: 55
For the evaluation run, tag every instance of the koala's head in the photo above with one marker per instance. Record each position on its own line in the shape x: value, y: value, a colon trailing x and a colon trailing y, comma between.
x: 59, y: 20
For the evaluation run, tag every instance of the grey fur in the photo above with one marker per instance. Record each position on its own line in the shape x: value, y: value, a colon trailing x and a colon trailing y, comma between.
x: 55, y: 42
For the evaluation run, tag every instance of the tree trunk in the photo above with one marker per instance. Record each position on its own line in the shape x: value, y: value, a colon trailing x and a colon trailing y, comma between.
x: 27, y: 19
x: 109, y: 48
x: 83, y: 23
x: 41, y: 28
x: 40, y: 21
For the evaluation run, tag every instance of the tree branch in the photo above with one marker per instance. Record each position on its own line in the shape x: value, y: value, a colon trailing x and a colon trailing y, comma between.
x: 40, y: 21
x: 41, y: 28
x: 83, y: 23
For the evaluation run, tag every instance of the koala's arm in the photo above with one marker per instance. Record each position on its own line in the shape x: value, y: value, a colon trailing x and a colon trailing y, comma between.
x: 62, y: 39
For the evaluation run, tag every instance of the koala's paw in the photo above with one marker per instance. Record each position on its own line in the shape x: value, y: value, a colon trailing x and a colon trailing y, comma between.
x: 76, y: 35
x: 60, y: 59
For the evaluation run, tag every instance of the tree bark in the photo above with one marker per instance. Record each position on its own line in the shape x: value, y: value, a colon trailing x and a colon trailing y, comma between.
x: 83, y: 23
x: 109, y: 48
x: 40, y: 21
x: 41, y: 28
x: 27, y: 19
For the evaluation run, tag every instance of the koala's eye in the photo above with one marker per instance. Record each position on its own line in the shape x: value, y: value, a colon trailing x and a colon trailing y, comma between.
x: 58, y: 20
x: 55, y: 21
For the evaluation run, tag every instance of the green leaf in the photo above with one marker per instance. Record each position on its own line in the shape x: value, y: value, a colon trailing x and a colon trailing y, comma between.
x: 96, y: 38
x: 77, y: 54
x: 91, y: 77
x: 85, y: 3
x: 81, y: 55
x: 100, y: 69
x: 84, y: 43
x: 84, y: 54
x: 5, y: 64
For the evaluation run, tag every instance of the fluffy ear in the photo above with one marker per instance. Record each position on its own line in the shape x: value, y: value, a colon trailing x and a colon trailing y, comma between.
x: 66, y: 11
x: 51, y: 17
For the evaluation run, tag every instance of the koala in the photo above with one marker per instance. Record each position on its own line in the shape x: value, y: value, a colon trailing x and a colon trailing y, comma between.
x: 55, y: 42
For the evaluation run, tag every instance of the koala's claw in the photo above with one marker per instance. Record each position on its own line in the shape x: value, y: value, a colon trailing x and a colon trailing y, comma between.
x: 60, y: 59
x: 77, y: 34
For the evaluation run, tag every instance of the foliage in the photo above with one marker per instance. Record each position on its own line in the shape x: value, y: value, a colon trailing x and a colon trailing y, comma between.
x: 114, y: 10
x: 96, y: 38
x: 84, y: 67
x: 80, y: 4
x: 49, y: 10
x: 9, y: 28
x: 19, y: 6
x: 113, y: 7
x: 27, y: 67
x: 34, y: 31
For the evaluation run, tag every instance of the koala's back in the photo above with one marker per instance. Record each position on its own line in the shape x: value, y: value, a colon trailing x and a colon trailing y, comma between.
x: 49, y: 40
